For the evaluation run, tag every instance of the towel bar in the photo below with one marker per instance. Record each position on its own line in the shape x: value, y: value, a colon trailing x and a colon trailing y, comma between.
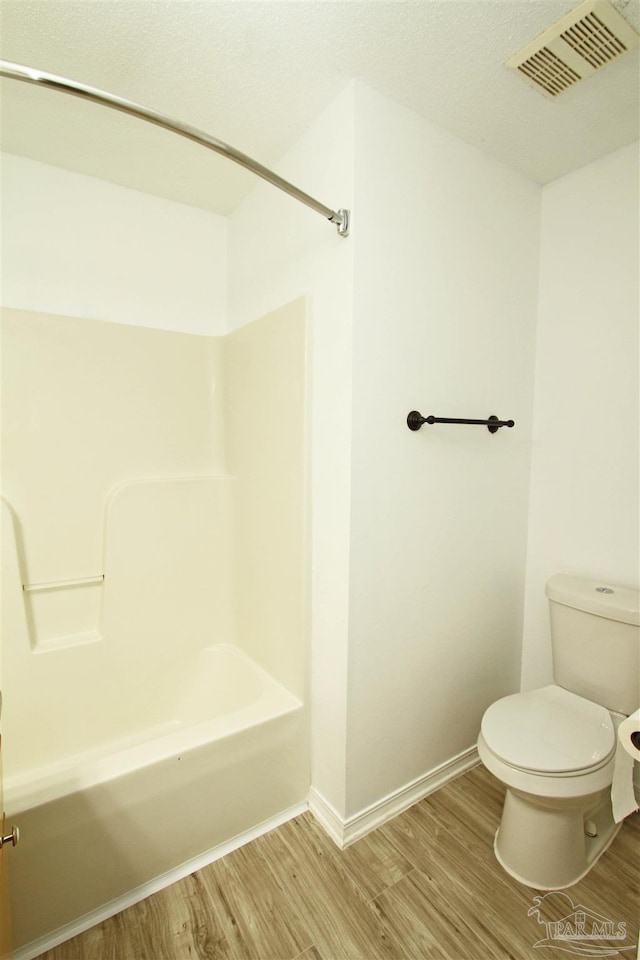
x: 493, y: 424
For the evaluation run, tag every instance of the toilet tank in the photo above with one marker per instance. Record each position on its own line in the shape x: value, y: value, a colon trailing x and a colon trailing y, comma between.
x: 595, y: 639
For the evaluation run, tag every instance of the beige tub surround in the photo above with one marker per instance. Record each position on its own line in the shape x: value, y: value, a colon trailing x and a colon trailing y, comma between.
x: 87, y: 405
x: 265, y: 418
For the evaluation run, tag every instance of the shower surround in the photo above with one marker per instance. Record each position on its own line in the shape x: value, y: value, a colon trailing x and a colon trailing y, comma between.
x: 154, y: 603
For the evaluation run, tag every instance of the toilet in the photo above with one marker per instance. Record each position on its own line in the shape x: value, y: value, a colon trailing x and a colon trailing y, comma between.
x: 554, y: 747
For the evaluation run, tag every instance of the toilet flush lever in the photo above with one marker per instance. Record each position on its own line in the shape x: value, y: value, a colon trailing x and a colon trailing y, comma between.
x: 11, y: 838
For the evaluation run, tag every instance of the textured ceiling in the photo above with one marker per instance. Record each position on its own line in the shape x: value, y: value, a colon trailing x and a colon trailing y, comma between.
x: 257, y: 74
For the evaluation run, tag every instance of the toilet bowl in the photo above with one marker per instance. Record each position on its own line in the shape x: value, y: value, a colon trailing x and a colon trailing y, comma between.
x: 554, y: 751
x: 554, y: 748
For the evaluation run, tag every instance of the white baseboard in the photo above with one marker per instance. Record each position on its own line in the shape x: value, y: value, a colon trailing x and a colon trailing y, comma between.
x: 328, y: 818
x: 345, y: 832
x: 31, y: 950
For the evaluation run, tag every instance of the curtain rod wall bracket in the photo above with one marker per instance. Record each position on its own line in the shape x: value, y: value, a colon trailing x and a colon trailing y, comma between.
x: 17, y: 71
x: 342, y: 221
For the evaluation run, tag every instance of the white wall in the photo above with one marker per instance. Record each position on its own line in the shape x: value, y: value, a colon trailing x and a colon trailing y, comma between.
x: 279, y: 250
x: 108, y: 253
x: 584, y: 486
x: 418, y: 539
x: 446, y: 261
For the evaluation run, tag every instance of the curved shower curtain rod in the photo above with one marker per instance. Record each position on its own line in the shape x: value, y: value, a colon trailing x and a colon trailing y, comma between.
x: 16, y: 71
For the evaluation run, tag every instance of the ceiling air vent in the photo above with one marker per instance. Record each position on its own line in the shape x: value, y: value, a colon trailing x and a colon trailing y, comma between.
x: 575, y: 47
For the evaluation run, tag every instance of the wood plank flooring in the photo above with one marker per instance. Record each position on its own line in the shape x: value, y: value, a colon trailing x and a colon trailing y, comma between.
x: 425, y: 886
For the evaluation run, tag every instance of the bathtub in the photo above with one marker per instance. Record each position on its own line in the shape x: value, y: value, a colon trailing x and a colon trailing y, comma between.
x: 106, y: 826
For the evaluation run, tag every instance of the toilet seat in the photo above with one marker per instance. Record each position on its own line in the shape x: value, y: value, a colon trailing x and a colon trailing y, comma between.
x: 549, y: 732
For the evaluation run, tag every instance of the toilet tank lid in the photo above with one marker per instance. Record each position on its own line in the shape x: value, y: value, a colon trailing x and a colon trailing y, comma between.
x: 595, y: 596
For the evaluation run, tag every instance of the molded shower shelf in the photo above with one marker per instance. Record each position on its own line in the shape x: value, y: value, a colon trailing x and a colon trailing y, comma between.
x: 72, y: 640
x: 64, y: 613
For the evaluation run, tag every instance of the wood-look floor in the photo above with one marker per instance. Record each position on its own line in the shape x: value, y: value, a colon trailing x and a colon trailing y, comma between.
x: 423, y: 887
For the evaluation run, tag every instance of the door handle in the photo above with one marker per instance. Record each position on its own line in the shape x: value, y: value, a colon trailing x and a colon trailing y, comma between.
x: 11, y: 838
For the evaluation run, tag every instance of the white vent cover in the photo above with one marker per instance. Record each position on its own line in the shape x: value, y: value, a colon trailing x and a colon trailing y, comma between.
x: 575, y: 47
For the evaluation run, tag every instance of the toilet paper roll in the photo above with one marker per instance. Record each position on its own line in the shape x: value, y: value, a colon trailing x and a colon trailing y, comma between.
x: 629, y: 735
x: 623, y: 798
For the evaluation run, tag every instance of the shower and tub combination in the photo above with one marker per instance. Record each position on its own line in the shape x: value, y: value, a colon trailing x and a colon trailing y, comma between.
x: 154, y: 604
x: 155, y: 594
